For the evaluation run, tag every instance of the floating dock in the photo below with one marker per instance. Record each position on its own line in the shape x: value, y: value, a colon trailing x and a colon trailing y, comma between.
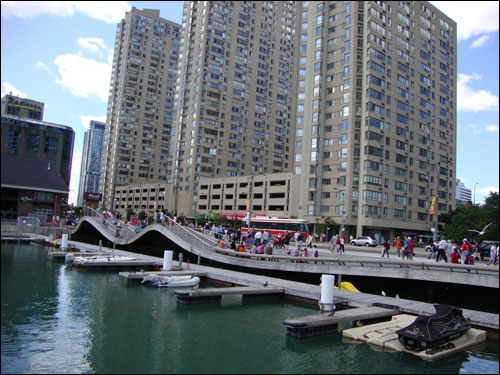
x: 384, y: 335
x: 325, y: 323
x: 214, y: 295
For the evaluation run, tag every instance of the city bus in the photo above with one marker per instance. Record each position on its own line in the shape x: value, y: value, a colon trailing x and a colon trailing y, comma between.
x: 275, y: 226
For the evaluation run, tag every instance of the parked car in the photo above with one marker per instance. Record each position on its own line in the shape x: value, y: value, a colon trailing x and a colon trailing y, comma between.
x: 364, y: 241
x: 484, y: 249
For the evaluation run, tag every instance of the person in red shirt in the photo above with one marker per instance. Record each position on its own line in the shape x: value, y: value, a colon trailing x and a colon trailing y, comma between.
x: 455, y: 258
x: 411, y: 248
x: 466, y: 248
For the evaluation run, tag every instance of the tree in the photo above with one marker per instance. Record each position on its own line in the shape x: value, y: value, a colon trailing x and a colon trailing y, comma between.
x: 235, y: 222
x: 129, y: 213
x: 329, y: 226
x: 490, y: 210
x: 78, y: 211
x: 458, y: 222
x: 142, y: 215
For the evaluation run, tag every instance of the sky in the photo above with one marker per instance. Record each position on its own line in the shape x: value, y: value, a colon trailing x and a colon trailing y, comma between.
x: 60, y: 53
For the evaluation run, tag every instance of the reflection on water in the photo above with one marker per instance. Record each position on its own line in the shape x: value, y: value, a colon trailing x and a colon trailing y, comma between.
x: 56, y: 319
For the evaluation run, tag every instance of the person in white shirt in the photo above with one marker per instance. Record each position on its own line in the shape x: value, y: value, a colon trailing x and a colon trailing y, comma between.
x: 442, y: 246
x: 493, y: 254
x: 258, y: 237
x: 266, y: 237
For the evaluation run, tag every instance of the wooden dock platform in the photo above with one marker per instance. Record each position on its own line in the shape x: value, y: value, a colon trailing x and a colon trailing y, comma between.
x: 323, y: 324
x: 214, y: 295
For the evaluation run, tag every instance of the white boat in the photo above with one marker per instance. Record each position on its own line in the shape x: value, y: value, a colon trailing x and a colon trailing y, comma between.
x: 81, y: 261
x: 172, y: 281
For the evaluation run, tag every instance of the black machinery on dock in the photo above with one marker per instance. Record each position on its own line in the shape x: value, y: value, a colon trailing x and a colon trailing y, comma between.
x: 432, y: 331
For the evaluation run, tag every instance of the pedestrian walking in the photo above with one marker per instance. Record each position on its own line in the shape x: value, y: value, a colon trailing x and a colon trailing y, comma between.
x: 434, y: 250
x: 398, y: 246
x: 442, y: 247
x: 386, y: 248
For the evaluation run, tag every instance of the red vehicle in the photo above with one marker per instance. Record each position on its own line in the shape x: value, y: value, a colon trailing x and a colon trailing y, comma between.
x: 276, y: 226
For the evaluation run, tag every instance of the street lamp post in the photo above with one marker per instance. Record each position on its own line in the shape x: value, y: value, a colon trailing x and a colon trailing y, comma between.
x: 115, y: 201
x: 249, y: 204
x: 477, y: 183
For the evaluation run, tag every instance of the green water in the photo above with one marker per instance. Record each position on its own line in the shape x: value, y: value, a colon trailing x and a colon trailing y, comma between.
x: 56, y: 319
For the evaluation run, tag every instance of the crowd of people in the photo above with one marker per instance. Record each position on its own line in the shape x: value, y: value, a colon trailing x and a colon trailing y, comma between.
x: 337, y: 243
x: 466, y: 253
x: 261, y: 242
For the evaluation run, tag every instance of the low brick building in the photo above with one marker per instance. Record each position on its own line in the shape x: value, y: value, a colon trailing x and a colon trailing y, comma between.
x: 31, y: 188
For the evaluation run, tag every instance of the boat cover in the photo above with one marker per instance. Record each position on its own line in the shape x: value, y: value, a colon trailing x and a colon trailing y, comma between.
x: 432, y: 331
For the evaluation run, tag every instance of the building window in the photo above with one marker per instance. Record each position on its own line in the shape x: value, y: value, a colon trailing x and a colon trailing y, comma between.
x: 311, y: 210
x: 51, y: 145
x: 13, y: 139
x: 33, y: 143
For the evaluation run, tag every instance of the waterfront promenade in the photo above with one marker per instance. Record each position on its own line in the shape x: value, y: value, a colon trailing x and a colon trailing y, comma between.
x: 366, y: 260
x: 356, y: 261
x: 311, y: 293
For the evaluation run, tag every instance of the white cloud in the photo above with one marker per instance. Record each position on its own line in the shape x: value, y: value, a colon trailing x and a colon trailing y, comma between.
x: 107, y: 11
x: 472, y: 18
x: 492, y: 128
x: 481, y: 41
x: 487, y: 190
x: 7, y: 88
x: 471, y: 100
x: 86, y: 120
x: 94, y: 45
x: 480, y: 129
x: 83, y: 77
x: 41, y: 65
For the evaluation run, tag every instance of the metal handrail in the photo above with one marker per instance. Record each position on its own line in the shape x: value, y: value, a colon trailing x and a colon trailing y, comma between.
x: 186, y: 234
x: 110, y: 226
x: 344, y: 261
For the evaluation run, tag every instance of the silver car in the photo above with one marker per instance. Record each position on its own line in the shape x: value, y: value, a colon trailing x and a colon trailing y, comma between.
x: 364, y: 241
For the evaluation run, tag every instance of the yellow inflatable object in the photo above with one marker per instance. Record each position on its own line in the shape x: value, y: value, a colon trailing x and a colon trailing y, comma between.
x: 347, y: 286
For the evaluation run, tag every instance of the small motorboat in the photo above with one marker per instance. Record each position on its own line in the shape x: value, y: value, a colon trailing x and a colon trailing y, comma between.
x: 81, y: 261
x: 172, y: 281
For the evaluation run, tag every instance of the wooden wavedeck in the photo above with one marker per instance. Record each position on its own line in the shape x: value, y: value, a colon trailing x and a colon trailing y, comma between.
x: 325, y: 323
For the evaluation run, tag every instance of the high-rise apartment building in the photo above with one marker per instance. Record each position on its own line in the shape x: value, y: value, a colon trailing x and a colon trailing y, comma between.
x: 464, y: 195
x: 141, y: 100
x: 91, y: 160
x: 236, y: 93
x: 375, y: 132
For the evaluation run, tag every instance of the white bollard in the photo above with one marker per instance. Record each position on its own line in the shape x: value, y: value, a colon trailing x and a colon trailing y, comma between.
x: 167, y: 260
x: 64, y: 243
x: 326, y: 300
